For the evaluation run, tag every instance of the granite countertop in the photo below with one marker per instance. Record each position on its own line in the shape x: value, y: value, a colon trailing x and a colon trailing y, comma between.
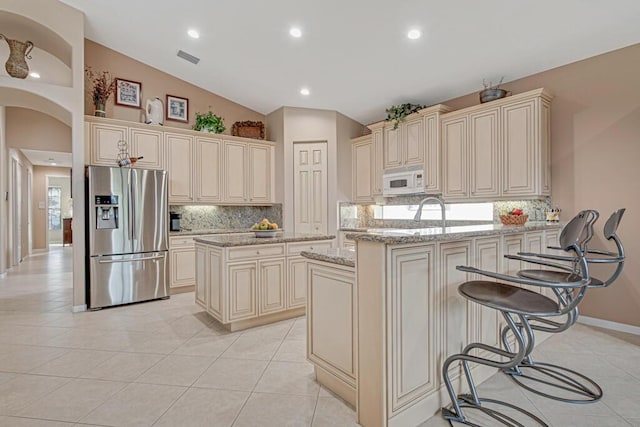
x: 417, y: 235
x: 280, y: 237
x: 342, y: 256
x: 209, y: 231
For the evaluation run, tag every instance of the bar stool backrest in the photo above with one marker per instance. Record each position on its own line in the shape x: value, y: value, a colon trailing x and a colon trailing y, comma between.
x: 574, y: 233
x: 610, y: 233
x: 611, y: 226
x: 591, y: 217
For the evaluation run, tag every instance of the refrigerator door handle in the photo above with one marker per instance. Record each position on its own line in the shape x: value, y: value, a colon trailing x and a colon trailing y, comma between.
x: 111, y: 261
x: 132, y: 203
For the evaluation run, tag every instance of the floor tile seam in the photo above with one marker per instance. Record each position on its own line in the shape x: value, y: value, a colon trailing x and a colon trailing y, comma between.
x: 192, y: 383
x: 269, y: 362
x: 71, y: 423
x: 614, y: 411
x: 170, y: 406
x: 234, y: 341
x: 103, y: 403
x: 246, y: 400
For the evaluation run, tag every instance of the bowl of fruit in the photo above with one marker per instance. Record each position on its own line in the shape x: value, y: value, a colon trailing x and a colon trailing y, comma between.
x: 265, y: 228
x: 514, y: 217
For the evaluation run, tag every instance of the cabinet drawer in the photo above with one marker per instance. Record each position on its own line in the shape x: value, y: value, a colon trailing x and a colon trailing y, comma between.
x: 297, y: 247
x: 178, y: 242
x: 256, y: 251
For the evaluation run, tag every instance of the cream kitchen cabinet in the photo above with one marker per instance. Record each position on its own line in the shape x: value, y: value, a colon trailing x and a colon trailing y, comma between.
x: 526, y: 146
x: 182, y: 261
x: 392, y: 147
x: 180, y: 167
x: 498, y: 150
x: 248, y: 175
x: 247, y: 285
x: 362, y: 158
x: 104, y: 139
x: 332, y: 326
x: 203, y: 169
x: 404, y: 146
x: 208, y: 186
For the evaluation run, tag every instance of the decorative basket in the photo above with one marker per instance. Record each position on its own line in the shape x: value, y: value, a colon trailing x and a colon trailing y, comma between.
x: 514, y: 219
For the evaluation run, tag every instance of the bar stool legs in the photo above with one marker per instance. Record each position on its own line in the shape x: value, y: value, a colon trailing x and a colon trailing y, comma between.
x: 471, y: 401
x: 563, y: 384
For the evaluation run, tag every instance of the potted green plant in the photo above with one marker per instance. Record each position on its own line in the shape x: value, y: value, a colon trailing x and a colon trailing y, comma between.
x: 399, y: 112
x: 209, y: 122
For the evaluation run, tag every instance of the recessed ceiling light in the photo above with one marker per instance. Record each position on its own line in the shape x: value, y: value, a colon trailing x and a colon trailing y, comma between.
x: 305, y: 91
x: 295, y: 32
x: 53, y: 163
x: 414, y: 34
x: 193, y: 34
x: 34, y: 75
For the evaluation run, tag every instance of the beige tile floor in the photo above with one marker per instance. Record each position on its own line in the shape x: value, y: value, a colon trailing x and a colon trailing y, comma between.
x: 166, y: 363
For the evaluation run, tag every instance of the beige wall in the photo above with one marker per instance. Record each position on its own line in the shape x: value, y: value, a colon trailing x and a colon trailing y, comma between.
x: 595, y: 125
x: 156, y: 83
x: 40, y: 174
x: 36, y: 130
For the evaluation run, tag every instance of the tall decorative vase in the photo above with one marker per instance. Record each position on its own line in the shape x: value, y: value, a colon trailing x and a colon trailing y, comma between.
x: 100, y: 111
x: 19, y: 52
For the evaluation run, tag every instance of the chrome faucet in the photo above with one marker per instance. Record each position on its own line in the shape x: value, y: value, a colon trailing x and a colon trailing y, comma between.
x: 431, y: 199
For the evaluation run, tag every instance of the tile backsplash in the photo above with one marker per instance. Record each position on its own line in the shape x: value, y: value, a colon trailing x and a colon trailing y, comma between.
x: 226, y: 217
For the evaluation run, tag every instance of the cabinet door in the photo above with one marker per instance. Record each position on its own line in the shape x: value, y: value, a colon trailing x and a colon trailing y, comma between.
x: 488, y: 257
x: 203, y: 281
x: 362, y: 173
x: 520, y: 133
x: 412, y: 320
x: 149, y: 145
x: 332, y: 321
x: 104, y: 143
x: 378, y: 162
x: 412, y: 134
x: 455, y: 311
x: 296, y: 282
x: 235, y: 172
x: 208, y: 170
x: 392, y: 147
x: 433, y: 154
x: 183, y: 267
x: 242, y: 290
x: 259, y: 173
x: 484, y: 145
x: 455, y: 158
x: 180, y: 167
x: 512, y: 244
x: 272, y: 286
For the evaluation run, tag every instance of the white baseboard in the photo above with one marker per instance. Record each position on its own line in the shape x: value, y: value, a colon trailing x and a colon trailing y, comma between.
x: 607, y: 324
x: 79, y: 308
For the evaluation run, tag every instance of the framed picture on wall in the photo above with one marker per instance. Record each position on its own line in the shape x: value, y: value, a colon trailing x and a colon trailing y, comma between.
x: 128, y: 93
x: 177, y: 108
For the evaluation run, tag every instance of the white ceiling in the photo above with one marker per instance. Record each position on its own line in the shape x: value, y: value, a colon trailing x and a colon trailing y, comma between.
x: 46, y: 158
x: 354, y: 54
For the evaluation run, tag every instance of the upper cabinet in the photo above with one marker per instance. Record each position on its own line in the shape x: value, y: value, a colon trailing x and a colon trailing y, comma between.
x: 498, y: 150
x: 202, y: 168
x: 415, y: 142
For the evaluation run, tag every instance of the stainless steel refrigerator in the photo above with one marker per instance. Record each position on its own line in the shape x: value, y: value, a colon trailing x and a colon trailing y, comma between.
x: 126, y: 235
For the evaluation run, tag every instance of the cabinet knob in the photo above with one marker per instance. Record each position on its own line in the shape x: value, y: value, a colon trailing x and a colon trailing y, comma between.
x: 311, y: 247
x: 257, y: 252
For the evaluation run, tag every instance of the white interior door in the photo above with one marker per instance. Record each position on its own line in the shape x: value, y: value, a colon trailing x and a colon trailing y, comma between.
x: 310, y: 187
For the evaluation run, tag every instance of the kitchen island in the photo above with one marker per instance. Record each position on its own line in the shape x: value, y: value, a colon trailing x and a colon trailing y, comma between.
x: 410, y: 316
x: 244, y: 281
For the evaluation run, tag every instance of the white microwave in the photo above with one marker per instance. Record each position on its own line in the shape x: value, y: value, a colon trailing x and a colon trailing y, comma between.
x: 396, y: 182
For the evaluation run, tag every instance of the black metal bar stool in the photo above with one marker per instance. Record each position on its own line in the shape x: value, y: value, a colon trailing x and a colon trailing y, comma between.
x: 566, y: 384
x: 516, y: 304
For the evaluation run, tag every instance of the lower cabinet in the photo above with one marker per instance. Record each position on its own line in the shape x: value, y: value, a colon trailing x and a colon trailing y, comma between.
x: 332, y: 331
x: 242, y: 286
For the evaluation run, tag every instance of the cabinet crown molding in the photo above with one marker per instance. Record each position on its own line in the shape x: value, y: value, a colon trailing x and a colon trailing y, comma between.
x: 536, y: 93
x: 173, y: 130
x: 433, y: 109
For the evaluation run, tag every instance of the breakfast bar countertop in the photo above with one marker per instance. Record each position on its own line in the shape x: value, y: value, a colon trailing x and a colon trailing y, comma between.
x: 418, y: 235
x: 341, y: 256
x: 279, y: 237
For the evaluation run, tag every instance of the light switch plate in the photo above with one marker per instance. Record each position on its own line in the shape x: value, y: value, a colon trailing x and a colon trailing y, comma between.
x: 40, y: 205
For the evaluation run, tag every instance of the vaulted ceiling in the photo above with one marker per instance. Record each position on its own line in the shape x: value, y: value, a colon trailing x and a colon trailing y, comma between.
x: 354, y: 56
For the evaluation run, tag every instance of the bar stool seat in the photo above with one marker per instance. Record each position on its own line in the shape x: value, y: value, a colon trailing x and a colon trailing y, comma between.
x: 556, y: 276
x: 504, y: 297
